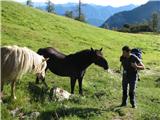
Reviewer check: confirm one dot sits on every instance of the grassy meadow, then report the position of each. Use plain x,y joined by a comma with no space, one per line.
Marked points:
26,26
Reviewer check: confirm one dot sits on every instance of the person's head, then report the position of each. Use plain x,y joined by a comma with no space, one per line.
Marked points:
126,51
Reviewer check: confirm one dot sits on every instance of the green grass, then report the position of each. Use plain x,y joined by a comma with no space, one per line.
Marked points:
25,26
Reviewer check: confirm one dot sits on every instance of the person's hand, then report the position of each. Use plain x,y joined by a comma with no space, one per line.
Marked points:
134,65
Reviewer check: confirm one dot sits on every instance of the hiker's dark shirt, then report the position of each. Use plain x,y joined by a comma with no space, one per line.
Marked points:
126,63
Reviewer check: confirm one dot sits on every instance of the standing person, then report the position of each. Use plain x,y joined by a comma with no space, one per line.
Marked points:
130,64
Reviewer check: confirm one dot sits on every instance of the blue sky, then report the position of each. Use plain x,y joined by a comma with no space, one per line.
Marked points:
115,3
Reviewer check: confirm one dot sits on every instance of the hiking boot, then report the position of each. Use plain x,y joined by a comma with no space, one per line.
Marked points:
134,106
123,105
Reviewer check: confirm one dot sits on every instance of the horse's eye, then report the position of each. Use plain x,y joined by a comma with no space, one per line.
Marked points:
98,57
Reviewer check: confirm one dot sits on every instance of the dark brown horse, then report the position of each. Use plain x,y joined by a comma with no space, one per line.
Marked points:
73,65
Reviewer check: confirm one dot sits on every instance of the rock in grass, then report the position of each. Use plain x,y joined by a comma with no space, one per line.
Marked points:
34,115
58,94
15,112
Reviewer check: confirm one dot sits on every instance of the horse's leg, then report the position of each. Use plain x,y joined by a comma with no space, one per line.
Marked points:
44,82
37,80
80,78
2,83
44,78
13,85
1,93
80,85
73,81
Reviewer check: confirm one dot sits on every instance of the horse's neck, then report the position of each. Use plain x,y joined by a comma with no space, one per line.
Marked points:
87,64
36,63
83,61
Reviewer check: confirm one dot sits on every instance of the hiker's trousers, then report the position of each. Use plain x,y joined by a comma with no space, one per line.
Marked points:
131,81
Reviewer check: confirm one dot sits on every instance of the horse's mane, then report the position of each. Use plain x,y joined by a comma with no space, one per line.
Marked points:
80,53
19,60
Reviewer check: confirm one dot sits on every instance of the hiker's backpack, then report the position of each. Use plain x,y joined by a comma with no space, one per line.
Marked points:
137,52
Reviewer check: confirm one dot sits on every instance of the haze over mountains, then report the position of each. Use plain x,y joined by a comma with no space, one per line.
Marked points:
95,14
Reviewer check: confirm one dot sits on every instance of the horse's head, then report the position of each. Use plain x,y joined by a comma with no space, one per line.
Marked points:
98,58
40,69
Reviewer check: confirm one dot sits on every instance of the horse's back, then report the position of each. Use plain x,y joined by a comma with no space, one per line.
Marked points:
51,53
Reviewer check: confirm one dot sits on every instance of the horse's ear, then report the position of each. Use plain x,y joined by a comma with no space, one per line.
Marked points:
92,49
101,49
45,59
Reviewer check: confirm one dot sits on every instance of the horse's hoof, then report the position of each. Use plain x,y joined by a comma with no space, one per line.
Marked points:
14,97
81,95
37,82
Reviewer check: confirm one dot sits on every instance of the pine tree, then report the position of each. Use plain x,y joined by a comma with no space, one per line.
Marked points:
50,6
81,16
69,14
154,22
29,3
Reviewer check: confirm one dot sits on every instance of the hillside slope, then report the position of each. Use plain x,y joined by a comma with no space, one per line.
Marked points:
25,26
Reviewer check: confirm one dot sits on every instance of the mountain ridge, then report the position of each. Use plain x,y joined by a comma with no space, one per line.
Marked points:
137,15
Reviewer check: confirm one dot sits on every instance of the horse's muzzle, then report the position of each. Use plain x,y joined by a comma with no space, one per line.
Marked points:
106,68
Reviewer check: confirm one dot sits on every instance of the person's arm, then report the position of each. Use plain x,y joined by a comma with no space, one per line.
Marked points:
139,66
120,67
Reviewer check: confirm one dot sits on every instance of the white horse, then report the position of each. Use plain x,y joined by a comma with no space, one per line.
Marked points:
16,61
